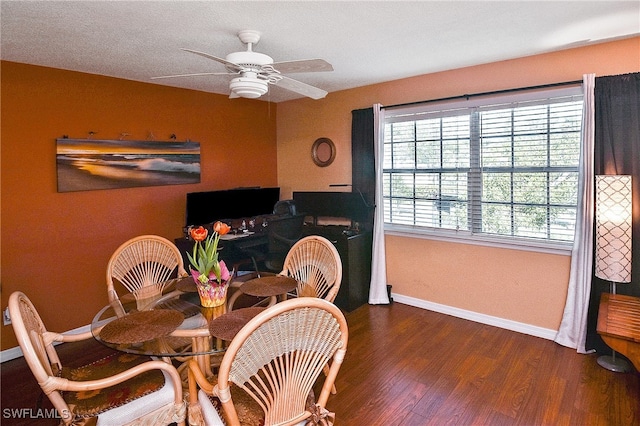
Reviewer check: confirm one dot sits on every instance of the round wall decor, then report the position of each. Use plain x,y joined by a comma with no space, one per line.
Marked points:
323,152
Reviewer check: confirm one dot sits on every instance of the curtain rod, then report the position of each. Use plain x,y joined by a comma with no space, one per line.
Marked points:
495,92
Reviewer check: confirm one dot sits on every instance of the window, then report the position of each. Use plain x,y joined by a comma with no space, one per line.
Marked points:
501,166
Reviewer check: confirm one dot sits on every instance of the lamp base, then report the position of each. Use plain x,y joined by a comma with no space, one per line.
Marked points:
612,363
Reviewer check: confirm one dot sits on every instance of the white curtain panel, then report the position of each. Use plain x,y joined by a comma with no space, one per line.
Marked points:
378,290
573,327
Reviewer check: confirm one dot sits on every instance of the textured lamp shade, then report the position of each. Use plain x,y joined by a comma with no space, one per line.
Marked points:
613,228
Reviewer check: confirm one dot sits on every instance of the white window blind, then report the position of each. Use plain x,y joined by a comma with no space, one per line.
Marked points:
499,166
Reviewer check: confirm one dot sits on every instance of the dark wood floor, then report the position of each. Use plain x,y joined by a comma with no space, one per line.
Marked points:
408,366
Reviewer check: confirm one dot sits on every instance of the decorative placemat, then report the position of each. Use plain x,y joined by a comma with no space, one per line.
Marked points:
141,326
186,285
269,286
226,326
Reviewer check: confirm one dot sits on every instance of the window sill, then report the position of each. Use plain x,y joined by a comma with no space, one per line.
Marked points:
463,237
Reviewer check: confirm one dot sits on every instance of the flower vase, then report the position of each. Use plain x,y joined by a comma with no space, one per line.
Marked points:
212,293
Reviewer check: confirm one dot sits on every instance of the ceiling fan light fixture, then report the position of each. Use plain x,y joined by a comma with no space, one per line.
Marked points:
248,87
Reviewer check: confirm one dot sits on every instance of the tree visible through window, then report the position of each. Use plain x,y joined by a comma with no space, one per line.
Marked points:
493,168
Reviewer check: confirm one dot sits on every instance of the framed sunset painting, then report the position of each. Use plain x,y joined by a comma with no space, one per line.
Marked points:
88,164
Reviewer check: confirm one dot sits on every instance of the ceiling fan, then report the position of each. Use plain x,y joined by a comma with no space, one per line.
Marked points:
255,71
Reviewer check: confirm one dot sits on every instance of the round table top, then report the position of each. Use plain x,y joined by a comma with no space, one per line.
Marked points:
269,286
226,326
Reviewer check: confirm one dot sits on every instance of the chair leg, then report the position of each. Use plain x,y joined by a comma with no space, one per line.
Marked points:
326,373
255,265
194,415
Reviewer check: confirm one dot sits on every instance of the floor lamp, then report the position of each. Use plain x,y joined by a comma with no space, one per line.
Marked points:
613,242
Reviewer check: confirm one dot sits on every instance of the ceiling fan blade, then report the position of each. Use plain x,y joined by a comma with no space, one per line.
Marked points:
229,65
192,75
303,65
301,88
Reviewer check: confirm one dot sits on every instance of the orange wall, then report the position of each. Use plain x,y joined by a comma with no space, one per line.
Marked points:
519,286
55,246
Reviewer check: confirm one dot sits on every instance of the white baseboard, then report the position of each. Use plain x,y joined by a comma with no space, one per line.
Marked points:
519,327
9,354
16,352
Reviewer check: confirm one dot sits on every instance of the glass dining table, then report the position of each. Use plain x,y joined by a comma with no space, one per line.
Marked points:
175,326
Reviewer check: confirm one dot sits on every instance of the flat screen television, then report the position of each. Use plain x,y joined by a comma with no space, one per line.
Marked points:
349,205
209,206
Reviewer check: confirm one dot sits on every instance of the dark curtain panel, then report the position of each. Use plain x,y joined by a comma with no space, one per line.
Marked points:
617,152
363,174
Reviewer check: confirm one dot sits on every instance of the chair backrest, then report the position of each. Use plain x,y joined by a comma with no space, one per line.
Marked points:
285,207
315,263
143,265
278,356
37,346
283,232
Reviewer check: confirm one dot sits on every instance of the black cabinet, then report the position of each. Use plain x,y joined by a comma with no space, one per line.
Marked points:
355,254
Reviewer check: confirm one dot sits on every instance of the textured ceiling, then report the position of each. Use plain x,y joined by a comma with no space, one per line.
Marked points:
366,42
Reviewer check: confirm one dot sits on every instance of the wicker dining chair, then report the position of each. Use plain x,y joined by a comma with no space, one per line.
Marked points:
268,372
315,263
143,265
119,389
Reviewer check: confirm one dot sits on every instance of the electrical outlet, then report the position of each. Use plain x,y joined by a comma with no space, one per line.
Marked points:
6,318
